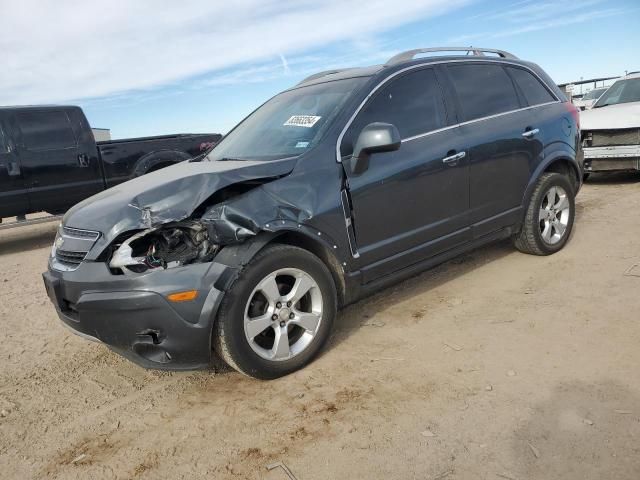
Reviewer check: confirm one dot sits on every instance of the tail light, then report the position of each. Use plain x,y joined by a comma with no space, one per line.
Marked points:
575,113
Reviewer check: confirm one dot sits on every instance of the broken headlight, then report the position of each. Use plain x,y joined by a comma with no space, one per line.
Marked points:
168,246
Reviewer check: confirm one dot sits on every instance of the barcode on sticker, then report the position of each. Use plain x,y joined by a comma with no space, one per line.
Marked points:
307,121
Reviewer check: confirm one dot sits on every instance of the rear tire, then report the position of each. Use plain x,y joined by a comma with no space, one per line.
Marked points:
278,313
549,217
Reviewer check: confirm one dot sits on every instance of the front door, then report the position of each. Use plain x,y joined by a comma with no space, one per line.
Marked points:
13,194
411,203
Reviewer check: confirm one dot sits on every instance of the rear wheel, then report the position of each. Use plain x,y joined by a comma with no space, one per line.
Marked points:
278,314
549,217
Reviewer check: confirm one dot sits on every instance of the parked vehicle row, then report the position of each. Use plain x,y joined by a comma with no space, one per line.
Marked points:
49,160
335,188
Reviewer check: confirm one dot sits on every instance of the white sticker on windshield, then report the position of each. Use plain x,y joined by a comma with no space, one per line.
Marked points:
306,121
302,144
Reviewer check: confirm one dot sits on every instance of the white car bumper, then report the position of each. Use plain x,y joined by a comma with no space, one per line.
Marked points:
620,157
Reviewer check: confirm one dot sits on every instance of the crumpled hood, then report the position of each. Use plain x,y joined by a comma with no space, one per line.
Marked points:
622,115
168,195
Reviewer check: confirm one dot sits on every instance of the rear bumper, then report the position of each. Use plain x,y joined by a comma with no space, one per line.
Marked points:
132,316
613,158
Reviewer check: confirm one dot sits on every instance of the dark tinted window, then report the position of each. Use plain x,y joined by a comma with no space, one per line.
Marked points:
4,143
533,90
483,90
46,130
413,103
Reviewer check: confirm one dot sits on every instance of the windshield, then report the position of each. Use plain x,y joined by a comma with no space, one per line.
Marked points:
623,91
594,94
288,124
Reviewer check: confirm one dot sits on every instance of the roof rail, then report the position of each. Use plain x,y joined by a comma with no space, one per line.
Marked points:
322,74
475,51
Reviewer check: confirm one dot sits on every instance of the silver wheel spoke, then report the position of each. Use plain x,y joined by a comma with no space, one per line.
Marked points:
303,284
551,197
563,203
546,233
269,288
543,215
280,350
308,321
255,326
559,228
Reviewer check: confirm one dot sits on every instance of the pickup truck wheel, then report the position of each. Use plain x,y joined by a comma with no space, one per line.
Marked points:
549,218
278,314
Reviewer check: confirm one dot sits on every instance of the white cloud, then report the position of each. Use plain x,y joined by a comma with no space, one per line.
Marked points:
74,49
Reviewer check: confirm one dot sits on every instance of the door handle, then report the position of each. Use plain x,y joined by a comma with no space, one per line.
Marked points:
530,133
83,160
451,160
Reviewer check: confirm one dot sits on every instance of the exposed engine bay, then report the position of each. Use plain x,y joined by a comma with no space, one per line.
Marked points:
167,246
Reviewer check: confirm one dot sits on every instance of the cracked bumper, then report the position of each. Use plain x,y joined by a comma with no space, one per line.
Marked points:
132,316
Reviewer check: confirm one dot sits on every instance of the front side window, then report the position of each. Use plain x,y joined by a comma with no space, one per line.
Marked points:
483,90
46,130
413,103
594,94
288,124
623,91
535,93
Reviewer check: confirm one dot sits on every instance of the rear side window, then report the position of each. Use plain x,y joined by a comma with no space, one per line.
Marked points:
413,103
483,90
533,90
49,130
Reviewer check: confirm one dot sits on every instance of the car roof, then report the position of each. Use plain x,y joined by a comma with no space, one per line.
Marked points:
409,58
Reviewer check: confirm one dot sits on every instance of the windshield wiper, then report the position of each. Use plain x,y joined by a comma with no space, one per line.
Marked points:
603,105
228,159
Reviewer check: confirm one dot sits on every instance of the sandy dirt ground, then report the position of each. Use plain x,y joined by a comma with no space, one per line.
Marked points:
497,365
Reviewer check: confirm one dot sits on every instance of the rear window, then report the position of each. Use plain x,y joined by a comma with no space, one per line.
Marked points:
483,90
50,130
533,90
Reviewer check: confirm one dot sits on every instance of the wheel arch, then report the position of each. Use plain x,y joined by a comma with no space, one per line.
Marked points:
158,159
559,161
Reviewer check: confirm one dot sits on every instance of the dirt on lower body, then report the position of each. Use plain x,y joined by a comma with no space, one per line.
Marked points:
497,365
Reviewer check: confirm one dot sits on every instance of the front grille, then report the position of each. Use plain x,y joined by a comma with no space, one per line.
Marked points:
71,247
72,259
75,232
609,138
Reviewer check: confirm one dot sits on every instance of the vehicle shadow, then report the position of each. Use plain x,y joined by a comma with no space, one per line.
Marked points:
611,178
27,238
359,314
583,431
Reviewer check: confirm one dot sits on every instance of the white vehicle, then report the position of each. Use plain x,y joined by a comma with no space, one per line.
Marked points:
611,129
589,98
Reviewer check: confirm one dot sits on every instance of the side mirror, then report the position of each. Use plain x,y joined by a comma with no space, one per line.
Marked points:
374,138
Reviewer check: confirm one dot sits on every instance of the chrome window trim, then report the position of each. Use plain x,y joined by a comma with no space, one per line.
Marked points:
426,65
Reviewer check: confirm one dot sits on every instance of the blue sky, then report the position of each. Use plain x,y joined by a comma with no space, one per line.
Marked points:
156,67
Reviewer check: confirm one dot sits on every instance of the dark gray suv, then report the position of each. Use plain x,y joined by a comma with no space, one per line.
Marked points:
347,182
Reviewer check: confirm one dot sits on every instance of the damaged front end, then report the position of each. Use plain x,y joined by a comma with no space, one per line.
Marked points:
167,246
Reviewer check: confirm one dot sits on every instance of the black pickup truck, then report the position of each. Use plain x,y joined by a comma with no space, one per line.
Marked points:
49,159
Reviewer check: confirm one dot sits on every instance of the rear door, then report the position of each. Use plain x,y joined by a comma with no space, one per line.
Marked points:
504,143
58,169
409,204
13,194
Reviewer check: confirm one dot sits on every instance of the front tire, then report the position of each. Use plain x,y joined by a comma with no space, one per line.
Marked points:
549,217
278,314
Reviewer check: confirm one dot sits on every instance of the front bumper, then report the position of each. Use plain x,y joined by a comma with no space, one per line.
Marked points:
132,315
612,158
